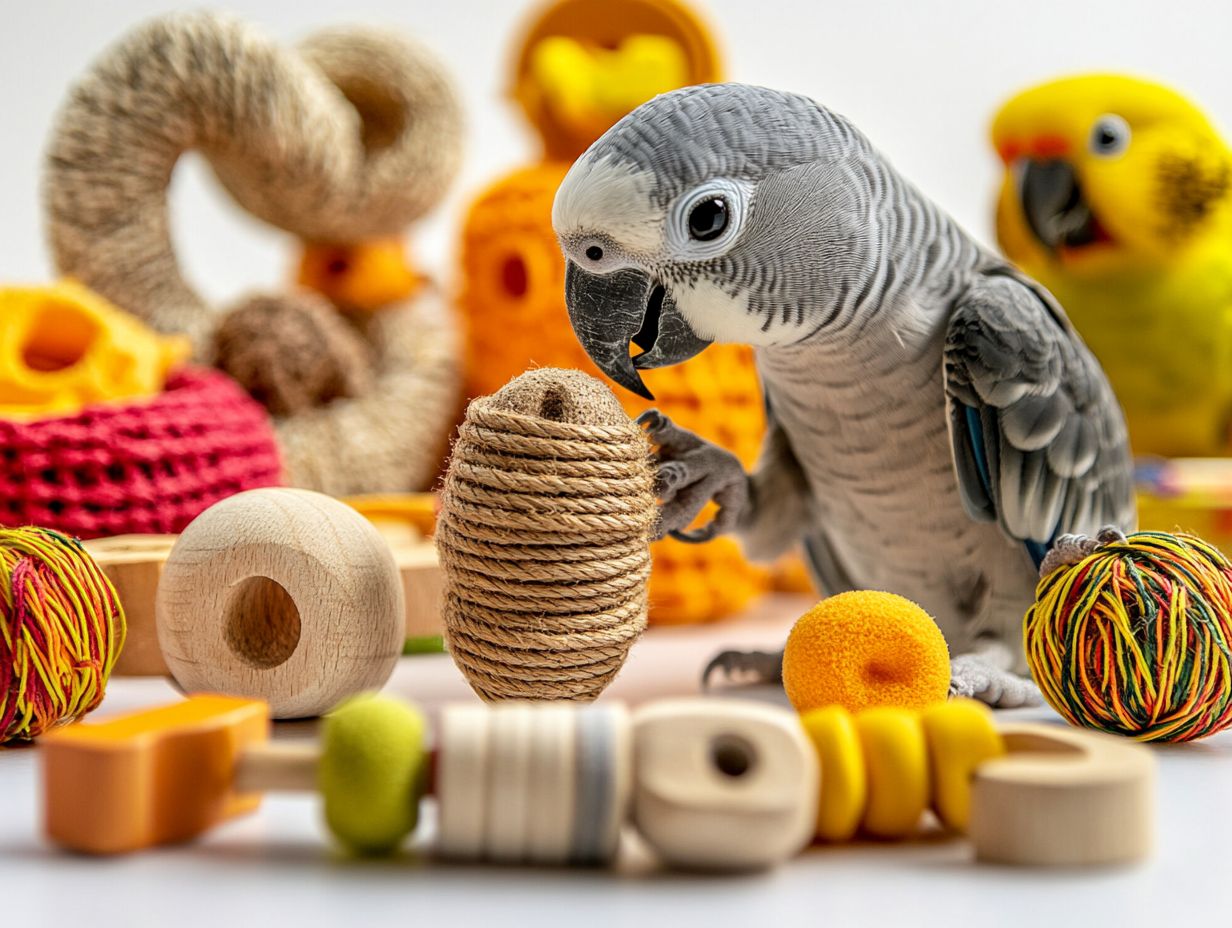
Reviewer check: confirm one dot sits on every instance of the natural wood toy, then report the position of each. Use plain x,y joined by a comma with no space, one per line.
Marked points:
513,274
544,537
285,595
1026,794
514,783
133,564
343,141
709,784
728,789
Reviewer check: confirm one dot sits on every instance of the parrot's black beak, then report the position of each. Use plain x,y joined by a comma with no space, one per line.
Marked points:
611,311
1055,209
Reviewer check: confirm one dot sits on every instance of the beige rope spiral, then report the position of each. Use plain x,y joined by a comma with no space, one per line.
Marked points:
349,136
544,537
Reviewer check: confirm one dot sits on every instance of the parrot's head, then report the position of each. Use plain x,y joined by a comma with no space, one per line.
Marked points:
1105,173
715,213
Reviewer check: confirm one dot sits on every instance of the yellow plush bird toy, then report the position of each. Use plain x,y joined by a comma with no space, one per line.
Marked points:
1118,197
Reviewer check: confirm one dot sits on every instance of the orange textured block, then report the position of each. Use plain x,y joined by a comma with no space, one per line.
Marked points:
156,777
512,301
364,277
864,649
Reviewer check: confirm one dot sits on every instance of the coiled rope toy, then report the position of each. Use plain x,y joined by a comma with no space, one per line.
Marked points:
61,629
1133,635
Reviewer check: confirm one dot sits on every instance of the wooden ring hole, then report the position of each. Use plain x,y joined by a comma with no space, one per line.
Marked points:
732,755
261,623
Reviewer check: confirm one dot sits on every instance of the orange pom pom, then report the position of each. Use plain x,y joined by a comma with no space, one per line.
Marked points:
864,649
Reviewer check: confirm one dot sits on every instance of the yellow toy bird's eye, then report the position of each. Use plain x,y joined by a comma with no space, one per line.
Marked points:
1109,136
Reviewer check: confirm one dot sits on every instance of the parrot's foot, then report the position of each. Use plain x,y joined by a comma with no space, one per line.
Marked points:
692,472
765,667
977,677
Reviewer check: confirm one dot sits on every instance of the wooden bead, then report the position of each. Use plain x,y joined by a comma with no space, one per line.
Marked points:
723,785
1063,797
546,783
133,564
285,595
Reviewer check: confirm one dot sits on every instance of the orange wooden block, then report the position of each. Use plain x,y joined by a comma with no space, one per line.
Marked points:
151,778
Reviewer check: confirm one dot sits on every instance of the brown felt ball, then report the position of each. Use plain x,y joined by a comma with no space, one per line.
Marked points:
293,351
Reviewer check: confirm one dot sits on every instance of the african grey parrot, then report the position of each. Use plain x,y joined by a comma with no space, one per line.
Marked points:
935,421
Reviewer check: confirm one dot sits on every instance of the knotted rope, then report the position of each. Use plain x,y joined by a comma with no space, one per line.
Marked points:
544,538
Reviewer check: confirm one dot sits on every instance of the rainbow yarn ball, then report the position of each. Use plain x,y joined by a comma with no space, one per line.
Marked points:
61,629
1135,638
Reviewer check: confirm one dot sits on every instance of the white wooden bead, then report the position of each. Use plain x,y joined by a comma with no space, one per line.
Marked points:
723,784
461,781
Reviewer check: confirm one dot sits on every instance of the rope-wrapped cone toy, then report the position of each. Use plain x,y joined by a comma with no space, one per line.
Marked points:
348,137
1133,635
544,537
61,629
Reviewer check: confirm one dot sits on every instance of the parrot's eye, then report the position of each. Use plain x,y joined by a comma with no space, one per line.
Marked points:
708,219
1110,135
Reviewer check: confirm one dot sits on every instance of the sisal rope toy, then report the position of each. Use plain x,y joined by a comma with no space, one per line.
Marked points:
347,138
1133,635
61,627
544,536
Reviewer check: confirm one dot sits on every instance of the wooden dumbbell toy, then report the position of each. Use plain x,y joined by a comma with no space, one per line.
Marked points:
284,595
167,775
1026,794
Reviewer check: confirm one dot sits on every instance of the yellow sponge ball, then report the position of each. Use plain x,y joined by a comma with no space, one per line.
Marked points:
863,649
372,772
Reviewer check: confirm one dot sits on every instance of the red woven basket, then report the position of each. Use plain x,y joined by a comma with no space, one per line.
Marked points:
143,467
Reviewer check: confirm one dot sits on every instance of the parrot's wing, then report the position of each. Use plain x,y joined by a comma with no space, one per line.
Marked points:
1039,442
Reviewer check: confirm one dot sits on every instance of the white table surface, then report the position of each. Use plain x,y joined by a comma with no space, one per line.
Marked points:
275,868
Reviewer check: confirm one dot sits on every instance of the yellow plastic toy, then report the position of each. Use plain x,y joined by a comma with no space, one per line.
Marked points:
864,649
63,347
584,64
1118,197
883,767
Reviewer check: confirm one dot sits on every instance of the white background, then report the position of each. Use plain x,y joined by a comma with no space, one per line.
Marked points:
921,78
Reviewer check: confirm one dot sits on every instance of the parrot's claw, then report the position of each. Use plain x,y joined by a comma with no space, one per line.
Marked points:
765,667
691,473
976,677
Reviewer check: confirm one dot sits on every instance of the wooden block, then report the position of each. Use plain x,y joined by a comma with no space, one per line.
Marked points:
285,595
155,777
133,564
406,521
1064,797
723,784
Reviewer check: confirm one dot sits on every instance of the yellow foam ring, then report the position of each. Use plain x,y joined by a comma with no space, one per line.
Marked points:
63,347
844,783
896,756
359,276
961,736
589,88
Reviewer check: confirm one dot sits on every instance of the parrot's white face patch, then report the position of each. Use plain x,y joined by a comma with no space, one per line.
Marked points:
715,315
602,196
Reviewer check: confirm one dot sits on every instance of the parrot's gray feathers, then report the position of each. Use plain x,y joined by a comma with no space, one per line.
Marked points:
1039,443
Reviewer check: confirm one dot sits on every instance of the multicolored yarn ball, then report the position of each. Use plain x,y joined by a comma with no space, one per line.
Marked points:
61,629
1133,636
